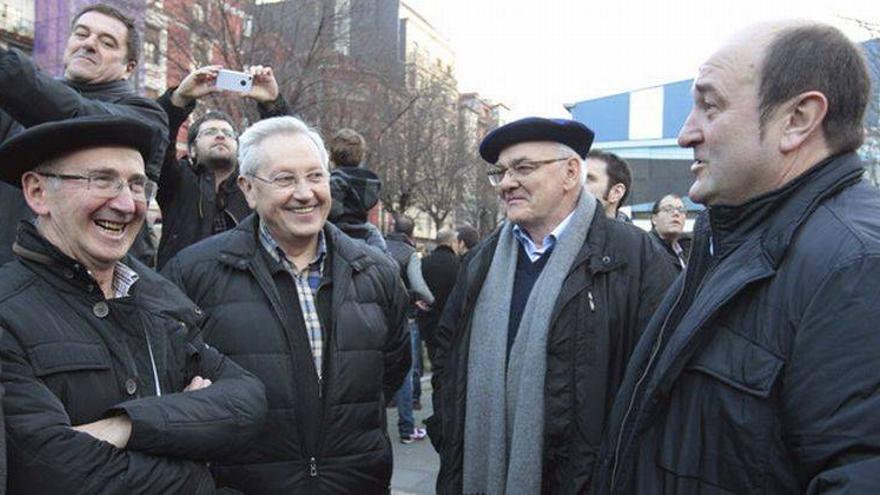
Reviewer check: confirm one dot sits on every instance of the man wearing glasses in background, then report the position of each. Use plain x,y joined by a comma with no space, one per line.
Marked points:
542,320
317,315
667,220
109,388
198,194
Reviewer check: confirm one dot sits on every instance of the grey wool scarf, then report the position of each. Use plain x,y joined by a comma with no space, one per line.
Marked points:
504,413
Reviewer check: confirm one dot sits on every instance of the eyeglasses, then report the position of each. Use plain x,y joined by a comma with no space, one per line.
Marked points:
290,181
214,131
674,209
518,169
108,186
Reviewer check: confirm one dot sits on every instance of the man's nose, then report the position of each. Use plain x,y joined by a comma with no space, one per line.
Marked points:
690,134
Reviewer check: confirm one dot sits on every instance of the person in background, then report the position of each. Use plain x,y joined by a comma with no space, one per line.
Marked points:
668,216
609,178
199,194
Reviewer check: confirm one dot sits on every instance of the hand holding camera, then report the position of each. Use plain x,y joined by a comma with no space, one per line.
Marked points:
257,83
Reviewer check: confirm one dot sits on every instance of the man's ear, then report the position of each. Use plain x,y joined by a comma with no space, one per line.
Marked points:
616,193
35,188
573,173
248,189
803,117
129,68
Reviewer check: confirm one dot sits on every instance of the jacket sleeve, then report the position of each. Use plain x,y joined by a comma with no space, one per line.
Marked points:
47,456
398,348
831,383
443,341
203,424
169,181
277,108
417,284
31,97
656,278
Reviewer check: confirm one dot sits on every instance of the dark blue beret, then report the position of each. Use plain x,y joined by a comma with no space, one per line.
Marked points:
43,142
568,132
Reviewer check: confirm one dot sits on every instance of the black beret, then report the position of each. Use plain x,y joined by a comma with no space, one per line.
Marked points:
568,132
43,142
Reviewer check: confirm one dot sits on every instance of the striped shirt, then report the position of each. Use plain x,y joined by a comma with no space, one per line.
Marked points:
306,282
123,278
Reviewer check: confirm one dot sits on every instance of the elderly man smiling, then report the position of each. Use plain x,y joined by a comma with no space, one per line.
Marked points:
109,388
317,315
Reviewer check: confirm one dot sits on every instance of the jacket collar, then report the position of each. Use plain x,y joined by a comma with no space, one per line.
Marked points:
777,215
243,247
106,91
756,258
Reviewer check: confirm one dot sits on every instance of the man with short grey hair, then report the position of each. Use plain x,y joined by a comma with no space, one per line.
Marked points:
538,329
317,315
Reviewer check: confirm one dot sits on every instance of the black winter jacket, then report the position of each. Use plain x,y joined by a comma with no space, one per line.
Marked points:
611,291
439,269
187,193
319,438
770,381
30,97
71,357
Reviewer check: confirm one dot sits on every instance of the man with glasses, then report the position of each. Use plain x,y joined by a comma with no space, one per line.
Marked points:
539,326
101,54
317,315
198,194
109,388
667,219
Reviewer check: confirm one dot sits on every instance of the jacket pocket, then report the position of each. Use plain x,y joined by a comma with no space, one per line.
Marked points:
62,357
720,427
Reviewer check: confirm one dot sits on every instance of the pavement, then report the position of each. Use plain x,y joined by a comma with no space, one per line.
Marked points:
416,464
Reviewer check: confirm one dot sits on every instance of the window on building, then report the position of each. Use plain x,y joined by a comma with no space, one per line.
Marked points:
152,44
342,24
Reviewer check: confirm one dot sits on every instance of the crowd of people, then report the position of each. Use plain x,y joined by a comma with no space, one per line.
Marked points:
253,348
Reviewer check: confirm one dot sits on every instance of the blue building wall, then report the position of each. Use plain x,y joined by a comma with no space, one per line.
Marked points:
677,102
608,117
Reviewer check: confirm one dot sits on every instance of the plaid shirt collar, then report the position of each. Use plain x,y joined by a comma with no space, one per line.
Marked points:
123,279
271,246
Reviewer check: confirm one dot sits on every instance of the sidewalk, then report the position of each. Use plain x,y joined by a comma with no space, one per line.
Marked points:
416,464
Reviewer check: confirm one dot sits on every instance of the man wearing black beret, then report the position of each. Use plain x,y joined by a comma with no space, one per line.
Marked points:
109,388
539,327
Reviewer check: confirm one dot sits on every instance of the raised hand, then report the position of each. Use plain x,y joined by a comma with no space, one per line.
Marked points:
195,85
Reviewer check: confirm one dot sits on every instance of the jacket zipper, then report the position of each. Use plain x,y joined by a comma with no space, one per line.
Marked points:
313,467
654,352
592,303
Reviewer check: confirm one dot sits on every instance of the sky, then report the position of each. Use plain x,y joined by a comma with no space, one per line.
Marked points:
536,55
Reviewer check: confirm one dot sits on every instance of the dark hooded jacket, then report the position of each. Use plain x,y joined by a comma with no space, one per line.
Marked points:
608,296
355,192
760,371
30,97
188,195
70,357
326,436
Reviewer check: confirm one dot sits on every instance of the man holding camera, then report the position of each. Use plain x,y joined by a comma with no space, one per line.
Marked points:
198,194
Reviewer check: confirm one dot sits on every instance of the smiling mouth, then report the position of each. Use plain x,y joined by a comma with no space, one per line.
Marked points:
303,209
114,227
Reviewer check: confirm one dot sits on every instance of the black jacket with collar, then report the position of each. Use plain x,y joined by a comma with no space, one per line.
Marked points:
188,195
320,437
611,291
71,357
770,380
